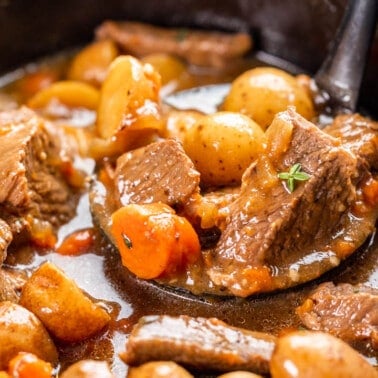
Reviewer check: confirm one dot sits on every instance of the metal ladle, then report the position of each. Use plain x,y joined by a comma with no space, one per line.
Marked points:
339,78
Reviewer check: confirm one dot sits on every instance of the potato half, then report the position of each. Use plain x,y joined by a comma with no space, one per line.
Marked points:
129,98
62,306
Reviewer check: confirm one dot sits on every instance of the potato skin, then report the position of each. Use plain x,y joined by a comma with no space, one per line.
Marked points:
67,313
317,355
240,374
158,369
222,145
169,67
129,98
22,331
88,369
92,62
262,92
68,92
178,122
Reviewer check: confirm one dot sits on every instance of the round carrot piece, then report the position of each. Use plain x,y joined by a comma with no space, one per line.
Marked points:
153,240
28,365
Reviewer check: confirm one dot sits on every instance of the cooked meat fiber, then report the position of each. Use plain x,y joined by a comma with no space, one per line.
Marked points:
346,311
11,283
32,187
357,133
159,172
5,239
270,232
7,289
197,47
199,343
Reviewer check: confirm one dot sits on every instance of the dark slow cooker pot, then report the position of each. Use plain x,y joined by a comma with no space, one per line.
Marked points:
297,31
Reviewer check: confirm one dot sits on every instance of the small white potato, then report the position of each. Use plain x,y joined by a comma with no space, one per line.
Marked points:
129,98
169,67
92,62
240,374
22,331
64,309
178,123
262,92
222,145
158,369
317,355
88,369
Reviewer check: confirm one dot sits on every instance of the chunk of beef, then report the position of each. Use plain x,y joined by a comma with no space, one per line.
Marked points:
200,343
197,47
5,239
11,283
346,311
274,238
33,190
7,290
357,133
159,172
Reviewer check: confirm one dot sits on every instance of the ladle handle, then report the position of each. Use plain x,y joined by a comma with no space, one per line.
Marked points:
341,73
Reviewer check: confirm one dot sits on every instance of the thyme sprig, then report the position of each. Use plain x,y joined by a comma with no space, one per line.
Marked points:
294,174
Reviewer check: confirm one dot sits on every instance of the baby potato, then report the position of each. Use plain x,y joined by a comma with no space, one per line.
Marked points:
178,122
67,313
71,93
317,355
222,145
240,374
158,369
169,67
22,331
91,63
129,98
262,92
88,369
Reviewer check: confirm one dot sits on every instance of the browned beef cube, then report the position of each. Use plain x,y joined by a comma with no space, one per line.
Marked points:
5,239
159,172
33,190
359,134
346,311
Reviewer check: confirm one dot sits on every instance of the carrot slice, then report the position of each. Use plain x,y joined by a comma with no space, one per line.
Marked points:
32,83
28,365
153,240
77,243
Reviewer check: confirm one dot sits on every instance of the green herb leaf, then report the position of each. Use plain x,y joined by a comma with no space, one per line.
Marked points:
127,241
294,174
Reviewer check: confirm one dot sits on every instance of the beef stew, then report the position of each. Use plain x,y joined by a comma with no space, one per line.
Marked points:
127,297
